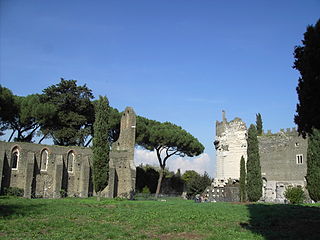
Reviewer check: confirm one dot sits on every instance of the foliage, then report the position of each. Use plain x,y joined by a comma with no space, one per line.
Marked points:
147,176
242,180
101,145
254,180
294,194
189,175
313,165
307,62
146,190
74,115
13,191
167,140
114,124
197,184
27,115
259,125
8,108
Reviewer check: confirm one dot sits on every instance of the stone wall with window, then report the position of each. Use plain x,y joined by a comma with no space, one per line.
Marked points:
283,158
55,171
44,170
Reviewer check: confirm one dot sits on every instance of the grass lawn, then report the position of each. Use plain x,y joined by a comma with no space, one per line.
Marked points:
74,218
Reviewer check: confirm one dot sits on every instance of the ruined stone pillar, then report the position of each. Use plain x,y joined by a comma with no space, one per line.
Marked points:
84,177
122,174
29,175
57,176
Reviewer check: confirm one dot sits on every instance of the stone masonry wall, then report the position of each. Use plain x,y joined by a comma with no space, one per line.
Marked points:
122,177
283,159
54,171
39,181
230,144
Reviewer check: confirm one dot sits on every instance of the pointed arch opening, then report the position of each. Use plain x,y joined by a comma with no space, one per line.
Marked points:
44,160
70,161
15,157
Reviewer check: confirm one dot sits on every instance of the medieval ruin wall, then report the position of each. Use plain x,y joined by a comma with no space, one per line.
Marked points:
53,171
283,158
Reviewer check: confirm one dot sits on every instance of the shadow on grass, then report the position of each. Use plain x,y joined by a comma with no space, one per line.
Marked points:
10,210
284,221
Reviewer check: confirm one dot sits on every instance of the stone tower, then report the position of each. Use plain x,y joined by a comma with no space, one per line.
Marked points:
122,170
230,144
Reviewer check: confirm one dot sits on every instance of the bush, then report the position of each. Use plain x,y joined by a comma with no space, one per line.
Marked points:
294,194
13,191
146,190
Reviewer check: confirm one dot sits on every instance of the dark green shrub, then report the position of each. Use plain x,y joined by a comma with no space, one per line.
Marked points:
146,190
294,194
13,191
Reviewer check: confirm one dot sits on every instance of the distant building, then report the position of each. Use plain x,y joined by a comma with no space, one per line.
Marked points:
283,158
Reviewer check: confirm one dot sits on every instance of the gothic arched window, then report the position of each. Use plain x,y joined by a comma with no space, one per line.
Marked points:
70,161
44,160
15,158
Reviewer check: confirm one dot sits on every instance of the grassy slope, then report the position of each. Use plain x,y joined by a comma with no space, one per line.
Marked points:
73,218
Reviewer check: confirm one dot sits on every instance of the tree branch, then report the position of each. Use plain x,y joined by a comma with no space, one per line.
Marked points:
159,157
168,155
88,142
13,131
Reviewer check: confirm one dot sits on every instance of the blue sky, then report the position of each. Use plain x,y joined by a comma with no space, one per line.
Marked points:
178,61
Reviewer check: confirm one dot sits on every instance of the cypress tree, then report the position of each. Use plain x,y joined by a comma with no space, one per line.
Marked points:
259,124
242,180
254,180
313,165
101,146
307,62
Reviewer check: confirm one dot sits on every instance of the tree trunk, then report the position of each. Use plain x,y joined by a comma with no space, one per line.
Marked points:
159,183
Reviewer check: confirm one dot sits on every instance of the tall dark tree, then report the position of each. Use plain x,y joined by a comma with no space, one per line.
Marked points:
242,180
254,179
307,62
313,165
167,140
259,124
74,117
101,146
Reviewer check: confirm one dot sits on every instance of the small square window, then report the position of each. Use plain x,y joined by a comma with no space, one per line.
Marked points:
299,159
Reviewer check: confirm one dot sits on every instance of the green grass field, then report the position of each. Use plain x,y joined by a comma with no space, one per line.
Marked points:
74,218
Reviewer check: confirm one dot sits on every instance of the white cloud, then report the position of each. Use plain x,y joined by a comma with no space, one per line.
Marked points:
145,157
200,163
